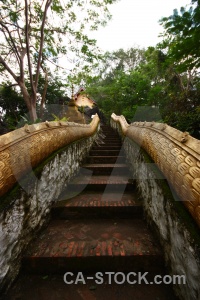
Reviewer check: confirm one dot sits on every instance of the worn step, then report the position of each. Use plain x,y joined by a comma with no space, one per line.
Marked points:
107,147
93,204
101,182
111,134
111,142
105,159
106,152
94,245
106,169
109,130
112,138
53,287
104,129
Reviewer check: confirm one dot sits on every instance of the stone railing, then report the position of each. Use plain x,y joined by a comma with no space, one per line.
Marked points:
177,155
54,151
23,149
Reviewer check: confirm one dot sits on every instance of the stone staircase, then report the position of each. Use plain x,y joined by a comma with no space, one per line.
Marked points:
97,226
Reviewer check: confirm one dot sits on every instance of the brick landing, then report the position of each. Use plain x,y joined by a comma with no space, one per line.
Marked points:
93,245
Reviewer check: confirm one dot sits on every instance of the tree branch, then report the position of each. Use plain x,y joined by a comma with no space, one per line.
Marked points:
10,85
2,61
10,45
48,3
28,47
11,38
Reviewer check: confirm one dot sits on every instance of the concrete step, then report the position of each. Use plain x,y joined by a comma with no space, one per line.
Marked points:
53,287
111,183
106,169
105,159
112,142
93,204
106,141
111,134
111,138
106,152
94,245
108,128
107,147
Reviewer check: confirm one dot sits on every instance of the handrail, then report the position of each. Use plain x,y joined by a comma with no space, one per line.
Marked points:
24,148
176,153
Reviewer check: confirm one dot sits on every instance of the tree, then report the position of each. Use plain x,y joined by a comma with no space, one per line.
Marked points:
181,36
12,107
120,86
34,32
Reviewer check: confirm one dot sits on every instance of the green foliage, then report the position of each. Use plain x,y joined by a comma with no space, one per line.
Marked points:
43,32
56,118
12,106
148,89
181,36
25,120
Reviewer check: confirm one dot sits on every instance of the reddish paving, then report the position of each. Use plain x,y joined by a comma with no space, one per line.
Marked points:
94,237
90,198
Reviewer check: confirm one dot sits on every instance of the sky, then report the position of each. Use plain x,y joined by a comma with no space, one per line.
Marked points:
135,23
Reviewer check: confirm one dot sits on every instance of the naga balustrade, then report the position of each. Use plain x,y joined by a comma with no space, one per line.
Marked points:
24,148
176,153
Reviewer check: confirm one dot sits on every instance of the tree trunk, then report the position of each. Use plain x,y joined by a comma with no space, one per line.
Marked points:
30,102
44,96
32,112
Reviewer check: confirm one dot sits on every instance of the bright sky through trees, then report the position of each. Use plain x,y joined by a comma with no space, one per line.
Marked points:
135,22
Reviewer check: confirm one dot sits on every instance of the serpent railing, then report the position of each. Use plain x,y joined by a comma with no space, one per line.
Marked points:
177,155
24,148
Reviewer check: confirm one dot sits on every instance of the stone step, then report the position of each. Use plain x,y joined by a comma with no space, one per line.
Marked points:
101,182
53,287
106,152
108,128
107,147
111,134
94,245
93,204
111,138
106,169
105,159
113,142
110,145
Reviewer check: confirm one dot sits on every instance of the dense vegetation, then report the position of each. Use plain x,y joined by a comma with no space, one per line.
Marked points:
159,83
148,88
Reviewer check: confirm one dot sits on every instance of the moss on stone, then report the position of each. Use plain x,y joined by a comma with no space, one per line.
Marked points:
183,214
8,199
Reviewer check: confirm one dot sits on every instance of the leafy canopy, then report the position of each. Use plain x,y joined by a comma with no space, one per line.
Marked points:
181,36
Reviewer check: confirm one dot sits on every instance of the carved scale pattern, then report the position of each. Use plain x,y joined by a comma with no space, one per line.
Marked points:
176,153
24,148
